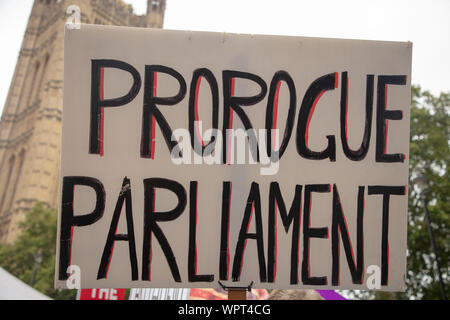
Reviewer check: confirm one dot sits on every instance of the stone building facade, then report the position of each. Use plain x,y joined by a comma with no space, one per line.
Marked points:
30,126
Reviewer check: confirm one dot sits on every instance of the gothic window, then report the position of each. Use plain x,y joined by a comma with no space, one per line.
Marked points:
31,85
42,76
5,185
15,182
155,5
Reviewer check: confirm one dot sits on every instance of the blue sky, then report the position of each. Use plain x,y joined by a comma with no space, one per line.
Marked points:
426,23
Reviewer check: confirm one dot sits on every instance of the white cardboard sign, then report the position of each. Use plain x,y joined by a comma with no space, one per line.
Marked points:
190,158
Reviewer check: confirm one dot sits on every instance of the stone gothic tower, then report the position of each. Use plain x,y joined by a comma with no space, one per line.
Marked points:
30,126
155,13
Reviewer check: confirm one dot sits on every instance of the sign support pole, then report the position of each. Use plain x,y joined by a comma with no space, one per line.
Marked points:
237,293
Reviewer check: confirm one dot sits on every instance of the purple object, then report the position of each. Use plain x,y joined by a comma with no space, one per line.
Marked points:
330,295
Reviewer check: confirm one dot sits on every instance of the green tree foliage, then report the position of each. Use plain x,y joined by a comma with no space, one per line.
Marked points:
430,157
38,234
